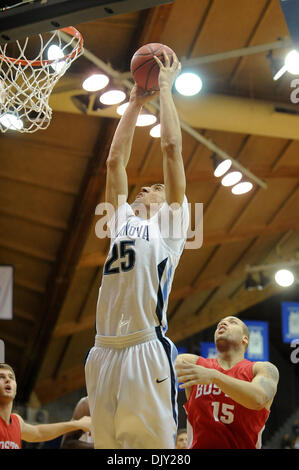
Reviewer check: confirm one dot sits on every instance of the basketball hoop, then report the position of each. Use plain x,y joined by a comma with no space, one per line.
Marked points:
26,84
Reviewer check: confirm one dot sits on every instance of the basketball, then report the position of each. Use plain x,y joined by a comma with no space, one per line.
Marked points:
145,69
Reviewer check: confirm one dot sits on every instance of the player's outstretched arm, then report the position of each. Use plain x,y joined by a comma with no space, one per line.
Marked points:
120,150
171,135
47,432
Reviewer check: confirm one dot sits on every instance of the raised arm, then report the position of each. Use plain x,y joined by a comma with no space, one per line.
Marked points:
255,395
120,150
171,135
47,432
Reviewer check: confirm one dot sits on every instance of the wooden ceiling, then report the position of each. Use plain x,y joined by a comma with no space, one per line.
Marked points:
52,180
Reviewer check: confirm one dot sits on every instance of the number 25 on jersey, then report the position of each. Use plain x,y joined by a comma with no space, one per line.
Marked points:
122,257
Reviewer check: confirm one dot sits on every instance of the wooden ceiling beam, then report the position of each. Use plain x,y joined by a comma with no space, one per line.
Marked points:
38,146
92,260
67,260
240,234
51,389
64,189
13,340
73,327
19,313
43,221
31,252
153,25
179,330
32,286
251,39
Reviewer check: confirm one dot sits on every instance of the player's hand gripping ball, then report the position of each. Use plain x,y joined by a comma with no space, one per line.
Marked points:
144,67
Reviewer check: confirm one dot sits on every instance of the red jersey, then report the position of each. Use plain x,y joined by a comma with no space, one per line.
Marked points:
215,421
10,434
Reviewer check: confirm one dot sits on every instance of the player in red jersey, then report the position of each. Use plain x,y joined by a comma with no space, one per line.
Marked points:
13,428
228,397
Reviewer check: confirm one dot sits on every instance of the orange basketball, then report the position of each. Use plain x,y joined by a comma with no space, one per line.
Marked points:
145,69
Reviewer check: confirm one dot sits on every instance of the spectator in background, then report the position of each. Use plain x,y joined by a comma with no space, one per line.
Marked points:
181,439
78,439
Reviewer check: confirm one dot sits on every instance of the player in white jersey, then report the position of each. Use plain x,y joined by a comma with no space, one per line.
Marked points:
130,376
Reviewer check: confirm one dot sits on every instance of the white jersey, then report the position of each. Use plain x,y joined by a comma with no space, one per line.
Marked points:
139,269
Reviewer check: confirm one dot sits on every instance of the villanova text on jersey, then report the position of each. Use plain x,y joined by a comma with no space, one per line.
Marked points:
134,231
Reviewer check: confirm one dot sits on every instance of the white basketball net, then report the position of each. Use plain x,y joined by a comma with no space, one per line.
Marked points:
26,84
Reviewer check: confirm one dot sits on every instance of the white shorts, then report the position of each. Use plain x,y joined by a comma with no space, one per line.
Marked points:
132,391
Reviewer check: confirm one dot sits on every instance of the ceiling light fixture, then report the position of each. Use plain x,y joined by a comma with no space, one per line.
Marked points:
121,108
291,65
112,97
95,82
284,277
156,131
11,121
55,53
242,188
81,102
231,178
145,119
188,84
250,283
292,62
263,282
220,166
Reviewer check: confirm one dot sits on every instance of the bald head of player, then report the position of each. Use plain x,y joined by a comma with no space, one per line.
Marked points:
231,335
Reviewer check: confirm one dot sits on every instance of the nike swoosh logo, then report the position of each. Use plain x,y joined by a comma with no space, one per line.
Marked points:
160,381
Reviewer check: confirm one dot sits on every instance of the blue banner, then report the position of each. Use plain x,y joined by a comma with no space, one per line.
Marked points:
290,321
290,9
208,349
258,347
